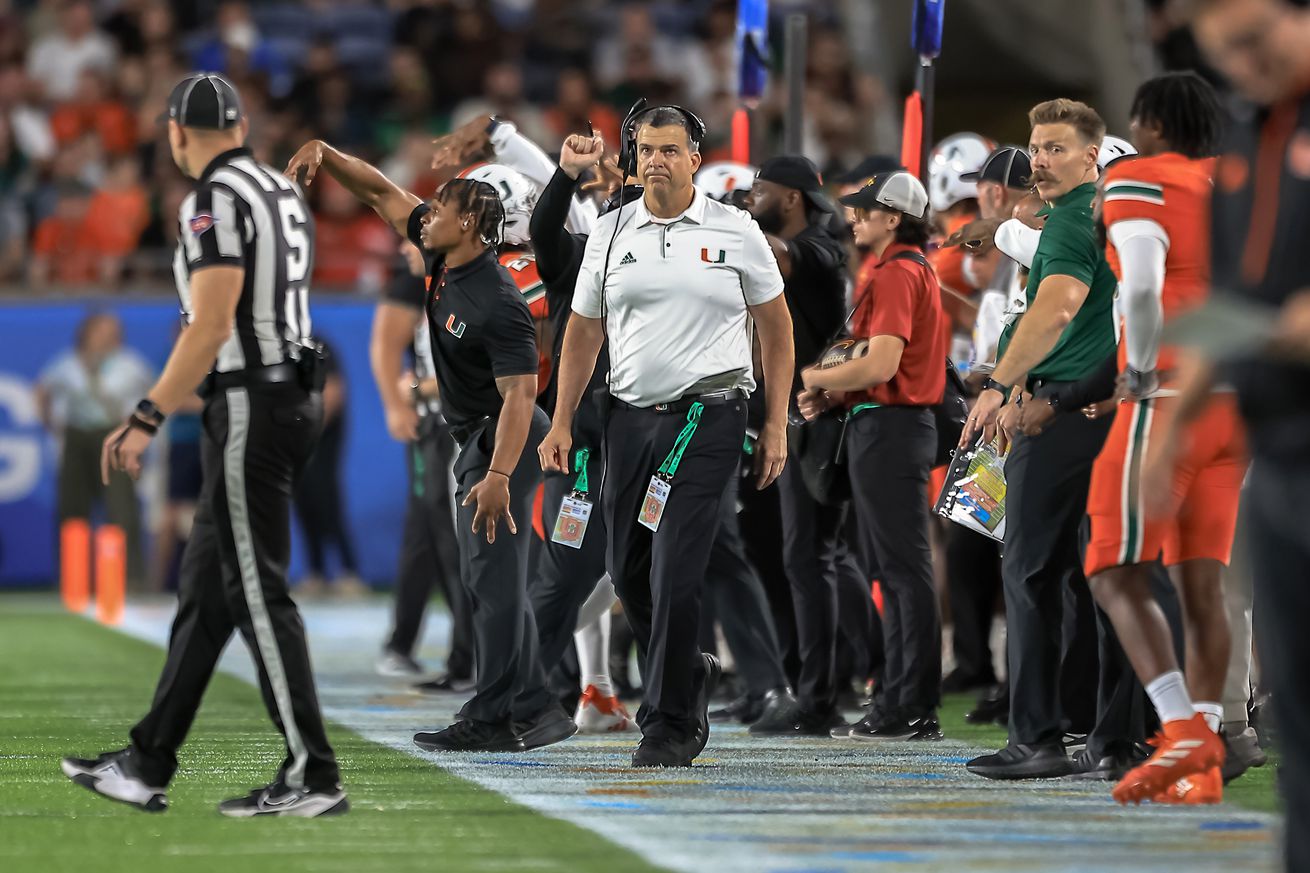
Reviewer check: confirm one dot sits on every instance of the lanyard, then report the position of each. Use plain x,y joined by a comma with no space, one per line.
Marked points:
669,468
580,464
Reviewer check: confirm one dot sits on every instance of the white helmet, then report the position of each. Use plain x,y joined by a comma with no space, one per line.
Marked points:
954,156
518,196
1112,149
726,181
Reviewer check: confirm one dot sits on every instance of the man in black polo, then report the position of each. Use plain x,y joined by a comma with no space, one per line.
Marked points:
485,353
787,202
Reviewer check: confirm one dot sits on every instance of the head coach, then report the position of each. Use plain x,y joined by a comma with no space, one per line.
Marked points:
675,282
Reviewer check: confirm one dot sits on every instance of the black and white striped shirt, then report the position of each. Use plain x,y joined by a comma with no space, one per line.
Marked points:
245,214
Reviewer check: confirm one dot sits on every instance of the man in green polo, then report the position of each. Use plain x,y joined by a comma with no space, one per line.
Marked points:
1065,334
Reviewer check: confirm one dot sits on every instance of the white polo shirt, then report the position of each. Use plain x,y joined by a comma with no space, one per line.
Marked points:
675,297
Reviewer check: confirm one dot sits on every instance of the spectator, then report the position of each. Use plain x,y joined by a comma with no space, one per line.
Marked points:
81,396
116,218
668,59
502,96
62,252
13,212
575,106
352,247
94,109
29,125
56,62
237,50
468,49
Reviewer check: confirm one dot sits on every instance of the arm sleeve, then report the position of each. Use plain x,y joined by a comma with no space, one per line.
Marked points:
213,227
553,245
587,292
1018,240
517,152
1068,247
761,280
1142,246
511,340
414,227
893,305
1096,386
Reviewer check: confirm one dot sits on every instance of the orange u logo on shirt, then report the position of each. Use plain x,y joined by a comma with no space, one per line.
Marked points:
458,332
705,256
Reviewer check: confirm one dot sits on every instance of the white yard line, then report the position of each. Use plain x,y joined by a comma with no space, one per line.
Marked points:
784,806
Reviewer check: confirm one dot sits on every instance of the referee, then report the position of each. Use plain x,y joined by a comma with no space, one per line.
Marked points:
675,281
485,352
244,257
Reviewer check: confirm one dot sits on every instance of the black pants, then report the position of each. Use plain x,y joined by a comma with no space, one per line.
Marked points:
1279,532
740,604
1047,479
511,682
859,637
812,553
79,489
889,454
255,443
659,575
973,578
319,507
429,552
566,576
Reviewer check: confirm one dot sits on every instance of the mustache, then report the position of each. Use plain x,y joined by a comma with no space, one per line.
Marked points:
1040,176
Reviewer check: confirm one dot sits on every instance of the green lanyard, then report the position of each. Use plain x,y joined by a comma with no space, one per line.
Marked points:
669,468
419,472
580,464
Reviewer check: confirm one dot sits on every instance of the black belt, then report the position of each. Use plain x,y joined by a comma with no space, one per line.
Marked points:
682,404
275,374
463,432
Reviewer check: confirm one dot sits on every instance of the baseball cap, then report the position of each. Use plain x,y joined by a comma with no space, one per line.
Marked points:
868,168
898,191
796,171
204,100
1007,165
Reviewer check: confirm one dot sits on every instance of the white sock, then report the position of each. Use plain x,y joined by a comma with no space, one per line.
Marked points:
601,599
1214,714
1168,693
593,642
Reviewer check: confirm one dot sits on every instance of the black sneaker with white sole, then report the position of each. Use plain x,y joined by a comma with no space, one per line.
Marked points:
471,736
281,799
114,775
899,729
549,726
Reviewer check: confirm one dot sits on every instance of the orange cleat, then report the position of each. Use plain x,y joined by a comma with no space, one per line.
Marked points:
598,713
1199,788
1184,748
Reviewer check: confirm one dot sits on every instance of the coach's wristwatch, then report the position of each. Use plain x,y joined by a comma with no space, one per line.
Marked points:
992,385
147,411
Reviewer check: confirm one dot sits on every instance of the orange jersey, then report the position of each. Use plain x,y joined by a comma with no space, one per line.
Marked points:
1173,192
948,263
522,267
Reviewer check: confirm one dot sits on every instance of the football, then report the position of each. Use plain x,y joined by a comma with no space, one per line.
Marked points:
842,351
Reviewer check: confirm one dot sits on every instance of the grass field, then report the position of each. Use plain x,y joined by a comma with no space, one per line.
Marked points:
72,687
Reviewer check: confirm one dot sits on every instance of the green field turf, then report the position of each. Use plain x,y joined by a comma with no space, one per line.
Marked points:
70,686
1255,790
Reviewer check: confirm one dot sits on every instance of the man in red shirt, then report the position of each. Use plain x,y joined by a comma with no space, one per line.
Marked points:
890,442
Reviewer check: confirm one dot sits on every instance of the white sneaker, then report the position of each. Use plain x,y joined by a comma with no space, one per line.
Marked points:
395,665
599,713
279,800
112,775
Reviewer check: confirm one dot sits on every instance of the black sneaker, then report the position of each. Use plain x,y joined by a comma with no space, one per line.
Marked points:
551,725
1074,743
662,752
1106,768
808,723
1021,761
1243,752
447,683
114,775
280,799
713,672
746,709
471,736
896,728
991,708
781,713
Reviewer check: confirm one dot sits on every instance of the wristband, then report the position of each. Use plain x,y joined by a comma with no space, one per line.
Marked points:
992,385
1141,383
136,422
498,473
147,411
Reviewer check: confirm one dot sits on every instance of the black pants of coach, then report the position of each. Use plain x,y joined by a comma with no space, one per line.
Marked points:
254,444
1050,617
889,454
429,553
1279,532
511,682
659,576
566,576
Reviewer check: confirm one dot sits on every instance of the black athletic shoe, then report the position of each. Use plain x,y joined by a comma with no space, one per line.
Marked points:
745,709
114,775
991,708
781,712
1244,752
471,736
1106,768
898,729
280,799
551,725
447,683
663,752
808,724
1023,762
713,672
